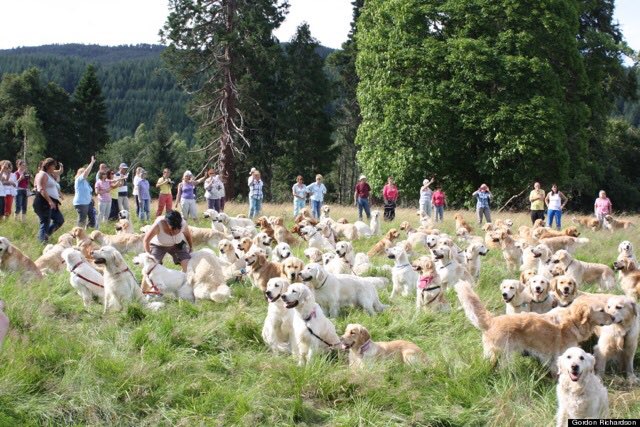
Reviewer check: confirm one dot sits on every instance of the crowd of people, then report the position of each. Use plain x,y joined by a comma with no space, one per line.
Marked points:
111,190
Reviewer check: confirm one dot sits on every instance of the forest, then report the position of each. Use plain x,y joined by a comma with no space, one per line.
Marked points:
466,91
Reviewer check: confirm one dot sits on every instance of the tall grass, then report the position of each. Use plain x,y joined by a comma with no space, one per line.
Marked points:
205,364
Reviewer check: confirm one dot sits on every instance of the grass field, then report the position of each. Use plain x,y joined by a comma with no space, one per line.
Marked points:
205,364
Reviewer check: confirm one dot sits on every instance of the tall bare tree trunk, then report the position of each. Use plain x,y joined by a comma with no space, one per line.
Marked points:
229,107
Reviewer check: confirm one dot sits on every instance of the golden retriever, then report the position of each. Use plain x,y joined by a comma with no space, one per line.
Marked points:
51,259
261,269
461,223
205,276
514,296
515,333
430,292
511,252
580,392
630,281
291,268
569,231
567,243
361,348
265,226
122,242
385,243
619,340
588,222
83,242
584,272
618,224
120,285
13,260
205,236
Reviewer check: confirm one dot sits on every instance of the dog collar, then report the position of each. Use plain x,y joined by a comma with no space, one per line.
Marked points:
323,282
400,267
311,315
524,304
446,265
73,271
540,302
365,346
276,298
564,305
151,269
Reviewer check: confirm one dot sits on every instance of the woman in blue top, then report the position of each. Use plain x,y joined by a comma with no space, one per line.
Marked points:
82,197
316,191
482,206
255,194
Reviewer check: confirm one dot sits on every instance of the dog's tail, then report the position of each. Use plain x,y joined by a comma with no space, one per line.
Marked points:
378,282
221,294
473,307
582,240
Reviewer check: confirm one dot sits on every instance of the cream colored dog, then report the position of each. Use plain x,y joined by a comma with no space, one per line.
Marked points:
430,293
51,259
570,244
357,340
312,331
580,392
122,242
448,267
205,236
473,254
85,279
511,252
514,296
13,260
585,272
163,280
120,285
204,274
277,331
403,276
313,254
619,340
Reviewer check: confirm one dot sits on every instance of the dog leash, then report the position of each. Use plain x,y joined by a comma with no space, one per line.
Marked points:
311,316
73,271
155,291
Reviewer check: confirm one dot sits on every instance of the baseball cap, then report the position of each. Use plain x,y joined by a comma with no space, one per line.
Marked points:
123,166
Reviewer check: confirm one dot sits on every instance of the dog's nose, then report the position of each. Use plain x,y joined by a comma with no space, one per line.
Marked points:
566,289
268,293
538,289
575,368
504,294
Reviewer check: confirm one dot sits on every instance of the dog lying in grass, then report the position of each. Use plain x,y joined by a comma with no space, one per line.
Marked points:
361,348
12,260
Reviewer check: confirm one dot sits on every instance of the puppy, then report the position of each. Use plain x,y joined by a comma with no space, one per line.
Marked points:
514,296
619,340
204,275
120,285
461,223
357,340
312,331
281,252
385,243
4,324
313,255
277,331
474,251
630,281
570,244
261,269
514,333
291,268
122,242
13,260
403,276
334,291
584,272
580,392
540,300
429,293
85,279
164,281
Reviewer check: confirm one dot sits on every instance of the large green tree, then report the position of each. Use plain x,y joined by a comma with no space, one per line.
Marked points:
212,45
476,91
304,141
90,115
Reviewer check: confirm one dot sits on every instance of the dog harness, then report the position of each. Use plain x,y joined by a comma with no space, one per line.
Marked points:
307,319
73,271
423,284
155,290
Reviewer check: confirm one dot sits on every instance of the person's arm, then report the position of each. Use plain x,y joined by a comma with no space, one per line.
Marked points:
200,181
58,172
179,192
160,182
563,199
324,189
87,171
115,183
41,183
546,199
431,181
355,197
475,193
146,241
187,235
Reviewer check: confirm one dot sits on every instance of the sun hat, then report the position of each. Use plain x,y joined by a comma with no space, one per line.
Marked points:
252,171
362,177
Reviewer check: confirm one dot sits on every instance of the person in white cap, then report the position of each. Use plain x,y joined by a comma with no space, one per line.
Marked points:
187,195
361,197
253,170
123,190
425,197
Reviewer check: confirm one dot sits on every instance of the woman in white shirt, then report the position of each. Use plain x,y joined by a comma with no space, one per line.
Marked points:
214,190
136,181
169,234
299,191
555,202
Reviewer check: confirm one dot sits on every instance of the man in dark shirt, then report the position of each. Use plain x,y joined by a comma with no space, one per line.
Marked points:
361,197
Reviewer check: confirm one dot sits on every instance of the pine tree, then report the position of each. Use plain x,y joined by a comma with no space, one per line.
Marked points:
210,48
90,115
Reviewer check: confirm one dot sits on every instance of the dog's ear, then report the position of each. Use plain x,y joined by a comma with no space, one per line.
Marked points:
522,277
574,287
554,284
364,334
634,308
590,362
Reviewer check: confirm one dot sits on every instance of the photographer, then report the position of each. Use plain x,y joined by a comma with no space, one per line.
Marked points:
169,234
165,199
214,190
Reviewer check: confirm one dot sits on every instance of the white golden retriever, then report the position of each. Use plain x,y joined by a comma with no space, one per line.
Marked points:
163,280
580,392
277,331
334,291
83,277
204,274
316,239
312,331
403,276
281,252
120,285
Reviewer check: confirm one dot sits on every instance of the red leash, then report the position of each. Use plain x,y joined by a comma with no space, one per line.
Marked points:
155,291
73,270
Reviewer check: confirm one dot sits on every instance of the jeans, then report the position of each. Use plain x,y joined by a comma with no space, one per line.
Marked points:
1,206
483,211
425,208
21,201
189,208
255,206
315,208
137,199
221,204
50,221
557,214
144,209
165,202
298,205
83,213
363,204
214,204
123,202
104,208
535,215
439,213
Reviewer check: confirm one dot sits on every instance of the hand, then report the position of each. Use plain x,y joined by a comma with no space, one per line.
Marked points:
52,205
355,203
93,159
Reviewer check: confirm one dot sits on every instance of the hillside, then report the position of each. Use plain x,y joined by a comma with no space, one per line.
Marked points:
134,80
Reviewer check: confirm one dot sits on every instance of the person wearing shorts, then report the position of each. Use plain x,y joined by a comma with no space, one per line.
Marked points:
169,234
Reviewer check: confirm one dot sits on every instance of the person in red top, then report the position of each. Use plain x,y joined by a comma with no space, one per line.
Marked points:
361,197
390,197
439,201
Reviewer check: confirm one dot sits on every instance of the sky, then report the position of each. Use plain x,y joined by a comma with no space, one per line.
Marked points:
114,22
